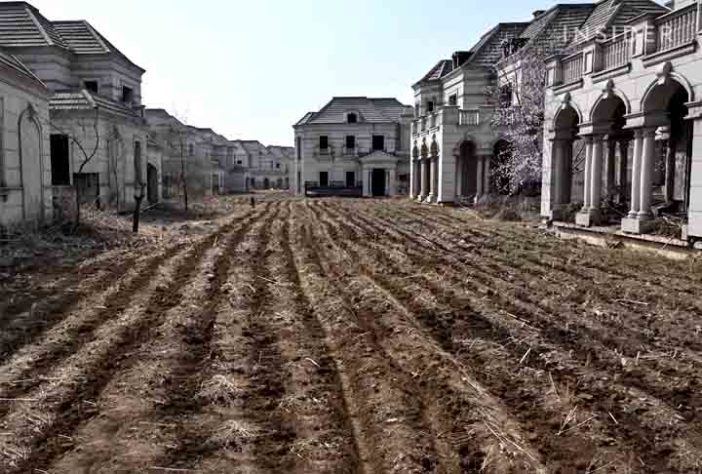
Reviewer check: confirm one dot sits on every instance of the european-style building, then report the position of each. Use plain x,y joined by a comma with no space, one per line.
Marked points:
625,113
96,126
354,143
25,166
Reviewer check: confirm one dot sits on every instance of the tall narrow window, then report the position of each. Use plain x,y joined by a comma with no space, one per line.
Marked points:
298,146
323,142
350,142
430,106
127,95
60,168
378,143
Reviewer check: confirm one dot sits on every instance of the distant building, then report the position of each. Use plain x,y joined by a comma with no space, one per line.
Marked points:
25,165
266,167
354,143
95,103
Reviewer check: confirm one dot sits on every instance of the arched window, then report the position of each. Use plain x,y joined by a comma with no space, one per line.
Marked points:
352,118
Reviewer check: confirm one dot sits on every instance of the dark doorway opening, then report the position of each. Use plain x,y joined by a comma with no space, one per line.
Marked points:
378,182
350,179
323,179
152,183
60,168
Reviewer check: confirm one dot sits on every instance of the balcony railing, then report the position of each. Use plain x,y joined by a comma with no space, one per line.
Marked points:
616,52
469,118
676,28
573,68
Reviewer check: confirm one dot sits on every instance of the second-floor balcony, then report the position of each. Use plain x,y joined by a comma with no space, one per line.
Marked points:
648,38
444,116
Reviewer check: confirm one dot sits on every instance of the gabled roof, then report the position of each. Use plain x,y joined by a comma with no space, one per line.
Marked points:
439,70
84,100
609,14
554,29
489,49
370,110
21,25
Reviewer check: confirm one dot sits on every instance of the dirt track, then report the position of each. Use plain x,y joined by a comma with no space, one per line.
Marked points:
357,336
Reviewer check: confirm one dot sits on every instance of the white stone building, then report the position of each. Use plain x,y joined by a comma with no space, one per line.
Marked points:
354,143
25,165
624,111
95,104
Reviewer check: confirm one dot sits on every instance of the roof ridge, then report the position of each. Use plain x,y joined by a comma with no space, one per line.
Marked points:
31,12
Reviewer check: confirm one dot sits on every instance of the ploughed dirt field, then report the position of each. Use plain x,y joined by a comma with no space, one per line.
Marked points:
342,336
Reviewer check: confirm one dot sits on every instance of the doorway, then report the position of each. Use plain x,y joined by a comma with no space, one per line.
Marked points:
323,179
378,182
152,183
350,179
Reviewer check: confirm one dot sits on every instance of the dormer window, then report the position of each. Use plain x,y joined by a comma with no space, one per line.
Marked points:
127,95
506,95
91,86
352,118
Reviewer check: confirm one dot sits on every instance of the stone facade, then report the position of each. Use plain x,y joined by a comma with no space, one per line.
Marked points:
624,113
25,166
98,136
354,142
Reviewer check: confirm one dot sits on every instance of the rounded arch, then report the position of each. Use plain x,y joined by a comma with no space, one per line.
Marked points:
31,164
566,121
606,100
659,92
466,138
425,150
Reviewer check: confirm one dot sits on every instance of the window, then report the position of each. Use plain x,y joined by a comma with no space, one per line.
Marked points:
352,118
3,182
127,95
91,86
60,168
350,179
350,142
378,143
430,106
277,165
298,148
323,179
506,95
453,99
323,142
191,150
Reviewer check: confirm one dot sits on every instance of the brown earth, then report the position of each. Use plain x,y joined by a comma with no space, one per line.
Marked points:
344,336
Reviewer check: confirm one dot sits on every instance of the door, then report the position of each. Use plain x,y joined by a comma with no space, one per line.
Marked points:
152,183
378,182
323,179
350,179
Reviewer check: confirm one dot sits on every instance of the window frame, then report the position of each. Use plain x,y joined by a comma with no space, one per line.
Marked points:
382,141
324,142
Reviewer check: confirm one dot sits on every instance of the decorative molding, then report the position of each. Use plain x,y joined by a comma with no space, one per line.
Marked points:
571,86
661,56
610,73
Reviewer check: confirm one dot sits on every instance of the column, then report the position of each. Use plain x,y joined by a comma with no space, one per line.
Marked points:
669,171
413,179
480,185
424,171
433,188
610,150
623,169
459,175
587,173
649,149
596,175
392,182
367,177
486,173
636,174
558,177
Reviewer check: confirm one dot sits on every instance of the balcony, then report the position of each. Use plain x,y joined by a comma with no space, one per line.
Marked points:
649,39
449,115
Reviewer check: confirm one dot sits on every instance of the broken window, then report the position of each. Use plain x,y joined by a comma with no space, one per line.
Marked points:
378,143
127,95
91,86
350,142
323,142
60,161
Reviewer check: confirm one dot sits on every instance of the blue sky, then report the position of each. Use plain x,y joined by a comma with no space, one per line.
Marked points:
250,69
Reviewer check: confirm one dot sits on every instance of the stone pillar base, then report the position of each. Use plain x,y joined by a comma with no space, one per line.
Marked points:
420,198
430,199
636,225
588,217
558,212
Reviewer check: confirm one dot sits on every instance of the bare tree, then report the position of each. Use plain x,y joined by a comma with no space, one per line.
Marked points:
519,99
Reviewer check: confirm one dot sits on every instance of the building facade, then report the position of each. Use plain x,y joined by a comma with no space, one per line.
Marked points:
25,165
354,143
98,135
624,113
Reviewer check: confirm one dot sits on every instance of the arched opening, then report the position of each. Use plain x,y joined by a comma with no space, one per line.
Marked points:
666,109
500,172
567,165
152,183
266,183
606,192
32,169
